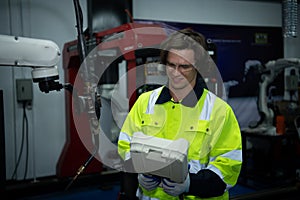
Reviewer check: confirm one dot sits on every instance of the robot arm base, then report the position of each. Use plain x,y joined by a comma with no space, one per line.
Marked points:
48,84
46,78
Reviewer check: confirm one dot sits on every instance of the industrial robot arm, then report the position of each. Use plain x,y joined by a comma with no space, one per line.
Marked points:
269,72
41,55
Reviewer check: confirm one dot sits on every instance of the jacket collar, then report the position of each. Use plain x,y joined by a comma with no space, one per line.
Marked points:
190,100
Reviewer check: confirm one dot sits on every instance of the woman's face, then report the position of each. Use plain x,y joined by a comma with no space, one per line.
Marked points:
180,70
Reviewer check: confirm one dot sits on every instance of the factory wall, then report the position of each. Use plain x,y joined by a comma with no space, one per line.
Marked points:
55,20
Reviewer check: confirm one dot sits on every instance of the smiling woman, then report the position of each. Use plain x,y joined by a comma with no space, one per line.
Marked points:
182,75
186,109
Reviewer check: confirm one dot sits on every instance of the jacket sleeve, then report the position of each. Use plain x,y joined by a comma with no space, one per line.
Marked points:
131,125
225,156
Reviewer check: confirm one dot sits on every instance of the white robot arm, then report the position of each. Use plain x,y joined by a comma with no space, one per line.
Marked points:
269,72
273,68
41,55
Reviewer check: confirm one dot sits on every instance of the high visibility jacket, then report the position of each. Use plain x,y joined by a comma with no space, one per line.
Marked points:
209,124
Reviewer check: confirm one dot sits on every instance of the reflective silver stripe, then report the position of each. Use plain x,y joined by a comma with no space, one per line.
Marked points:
124,137
148,198
234,155
127,156
208,106
152,99
195,166
228,186
218,172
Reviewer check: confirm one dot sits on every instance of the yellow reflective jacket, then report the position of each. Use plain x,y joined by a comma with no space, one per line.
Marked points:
210,126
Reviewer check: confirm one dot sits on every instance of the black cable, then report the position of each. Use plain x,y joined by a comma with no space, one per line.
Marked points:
92,155
27,138
82,55
81,169
20,154
81,38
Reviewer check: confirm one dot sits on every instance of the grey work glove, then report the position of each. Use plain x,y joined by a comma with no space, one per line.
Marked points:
175,189
149,182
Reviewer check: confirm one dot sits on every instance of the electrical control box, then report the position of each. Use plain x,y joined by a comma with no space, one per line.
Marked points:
24,89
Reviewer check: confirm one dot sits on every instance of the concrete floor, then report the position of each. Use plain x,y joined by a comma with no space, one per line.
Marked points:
108,187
